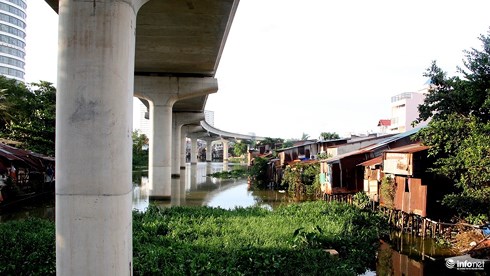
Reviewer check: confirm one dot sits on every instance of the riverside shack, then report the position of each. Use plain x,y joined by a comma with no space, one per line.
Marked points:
406,166
373,173
343,173
26,170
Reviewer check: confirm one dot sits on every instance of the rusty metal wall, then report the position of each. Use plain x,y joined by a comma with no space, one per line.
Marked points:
411,200
399,192
418,199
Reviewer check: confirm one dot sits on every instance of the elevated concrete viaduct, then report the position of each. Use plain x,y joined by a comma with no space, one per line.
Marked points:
165,51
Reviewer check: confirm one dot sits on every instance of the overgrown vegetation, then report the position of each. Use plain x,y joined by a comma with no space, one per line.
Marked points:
27,247
387,191
212,241
361,200
459,132
302,180
234,173
254,241
258,172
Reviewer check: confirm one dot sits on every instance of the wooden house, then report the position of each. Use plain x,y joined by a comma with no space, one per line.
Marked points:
343,175
407,167
301,150
373,174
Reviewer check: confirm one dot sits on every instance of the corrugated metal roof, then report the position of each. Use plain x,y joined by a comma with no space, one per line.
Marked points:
297,146
372,147
29,158
416,147
351,153
374,161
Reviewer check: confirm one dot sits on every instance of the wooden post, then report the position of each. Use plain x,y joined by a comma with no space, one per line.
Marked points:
403,221
433,228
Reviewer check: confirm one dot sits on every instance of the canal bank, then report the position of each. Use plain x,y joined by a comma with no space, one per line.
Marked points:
400,253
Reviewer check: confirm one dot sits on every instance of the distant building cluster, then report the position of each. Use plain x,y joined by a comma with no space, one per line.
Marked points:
12,38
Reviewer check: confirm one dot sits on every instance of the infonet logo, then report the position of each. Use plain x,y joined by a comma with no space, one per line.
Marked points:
468,264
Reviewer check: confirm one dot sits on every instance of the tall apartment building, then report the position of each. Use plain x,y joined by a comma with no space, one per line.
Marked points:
209,117
140,117
404,110
12,38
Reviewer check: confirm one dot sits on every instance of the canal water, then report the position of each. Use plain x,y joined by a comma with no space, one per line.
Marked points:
196,188
403,255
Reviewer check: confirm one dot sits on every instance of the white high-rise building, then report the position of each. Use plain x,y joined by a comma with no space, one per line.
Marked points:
209,117
404,110
140,117
12,38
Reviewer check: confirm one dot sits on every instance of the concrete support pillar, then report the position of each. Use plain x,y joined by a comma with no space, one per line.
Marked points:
225,150
194,151
160,148
249,156
189,131
209,150
176,148
93,137
162,93
183,148
181,119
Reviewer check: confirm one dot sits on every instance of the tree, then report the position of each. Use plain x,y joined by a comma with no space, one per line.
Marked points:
240,148
12,100
4,107
329,136
140,149
30,114
272,142
464,95
458,134
305,136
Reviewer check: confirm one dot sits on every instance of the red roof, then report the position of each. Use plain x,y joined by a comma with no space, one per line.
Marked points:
383,122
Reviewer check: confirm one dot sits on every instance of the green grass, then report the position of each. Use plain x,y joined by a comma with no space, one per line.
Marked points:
254,241
212,241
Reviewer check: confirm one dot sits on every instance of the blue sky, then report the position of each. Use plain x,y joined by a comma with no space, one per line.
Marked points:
312,66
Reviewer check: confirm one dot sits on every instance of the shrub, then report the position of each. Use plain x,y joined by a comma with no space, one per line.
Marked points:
28,247
387,191
302,180
211,241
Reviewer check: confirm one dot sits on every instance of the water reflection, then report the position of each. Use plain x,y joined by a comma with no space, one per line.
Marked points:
196,188
407,254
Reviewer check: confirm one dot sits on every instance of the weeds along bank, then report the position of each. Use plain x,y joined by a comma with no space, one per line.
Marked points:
291,240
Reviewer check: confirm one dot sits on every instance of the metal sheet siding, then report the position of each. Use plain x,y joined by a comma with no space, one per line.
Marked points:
418,199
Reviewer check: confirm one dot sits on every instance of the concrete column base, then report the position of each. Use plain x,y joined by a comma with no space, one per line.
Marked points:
159,198
109,218
159,181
